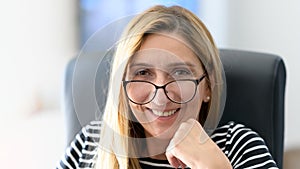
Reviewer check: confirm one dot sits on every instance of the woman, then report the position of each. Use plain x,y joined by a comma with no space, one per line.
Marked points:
164,101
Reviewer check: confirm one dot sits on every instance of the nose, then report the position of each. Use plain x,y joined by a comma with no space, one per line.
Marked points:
160,97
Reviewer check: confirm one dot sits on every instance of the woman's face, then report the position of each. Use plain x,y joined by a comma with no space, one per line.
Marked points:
162,59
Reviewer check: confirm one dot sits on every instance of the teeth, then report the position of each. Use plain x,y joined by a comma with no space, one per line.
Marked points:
165,114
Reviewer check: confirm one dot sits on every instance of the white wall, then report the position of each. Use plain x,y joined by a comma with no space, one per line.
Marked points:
270,26
36,40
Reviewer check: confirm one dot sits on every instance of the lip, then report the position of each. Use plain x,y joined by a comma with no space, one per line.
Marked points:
163,118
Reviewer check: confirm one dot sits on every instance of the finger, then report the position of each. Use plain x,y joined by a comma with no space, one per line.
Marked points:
171,152
173,160
184,129
203,137
181,133
182,164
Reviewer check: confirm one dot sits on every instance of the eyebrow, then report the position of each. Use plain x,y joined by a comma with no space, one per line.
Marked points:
140,64
188,64
182,64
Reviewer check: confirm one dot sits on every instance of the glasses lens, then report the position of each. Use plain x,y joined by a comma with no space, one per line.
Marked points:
140,92
181,91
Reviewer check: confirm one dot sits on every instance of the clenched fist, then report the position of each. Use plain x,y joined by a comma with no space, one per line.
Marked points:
192,147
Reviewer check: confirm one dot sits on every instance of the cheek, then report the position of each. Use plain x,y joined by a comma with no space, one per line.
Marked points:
139,114
136,111
191,109
196,104
203,91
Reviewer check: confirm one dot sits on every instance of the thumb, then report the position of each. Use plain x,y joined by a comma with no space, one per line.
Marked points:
175,162
172,159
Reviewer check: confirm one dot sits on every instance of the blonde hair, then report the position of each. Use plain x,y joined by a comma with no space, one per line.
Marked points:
117,127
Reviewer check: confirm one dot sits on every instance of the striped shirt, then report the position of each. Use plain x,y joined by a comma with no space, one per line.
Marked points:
242,146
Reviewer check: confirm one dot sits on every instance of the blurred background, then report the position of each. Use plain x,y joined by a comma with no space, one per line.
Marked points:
38,38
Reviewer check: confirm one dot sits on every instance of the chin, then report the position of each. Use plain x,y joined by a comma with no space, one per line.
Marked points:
159,132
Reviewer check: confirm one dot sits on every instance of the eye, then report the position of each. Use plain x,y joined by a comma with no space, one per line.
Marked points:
142,72
182,72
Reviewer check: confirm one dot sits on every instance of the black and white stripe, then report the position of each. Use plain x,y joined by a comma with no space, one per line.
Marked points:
243,147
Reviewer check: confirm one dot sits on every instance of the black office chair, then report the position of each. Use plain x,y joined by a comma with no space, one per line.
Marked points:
255,94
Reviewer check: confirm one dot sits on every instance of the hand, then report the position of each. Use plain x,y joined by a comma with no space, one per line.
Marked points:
191,146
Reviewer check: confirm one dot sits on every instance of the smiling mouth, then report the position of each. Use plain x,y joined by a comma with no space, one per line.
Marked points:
164,114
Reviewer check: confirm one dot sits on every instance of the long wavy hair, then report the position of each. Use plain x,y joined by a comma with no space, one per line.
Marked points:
117,127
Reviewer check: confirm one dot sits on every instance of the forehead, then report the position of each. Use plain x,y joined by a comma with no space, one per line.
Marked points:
165,48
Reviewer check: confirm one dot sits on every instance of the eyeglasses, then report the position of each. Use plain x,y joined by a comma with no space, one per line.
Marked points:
178,91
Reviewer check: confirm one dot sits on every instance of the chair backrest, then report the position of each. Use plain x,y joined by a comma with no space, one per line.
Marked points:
255,95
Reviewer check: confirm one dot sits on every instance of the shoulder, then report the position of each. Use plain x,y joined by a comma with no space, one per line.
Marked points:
83,149
232,129
92,130
89,134
243,146
231,134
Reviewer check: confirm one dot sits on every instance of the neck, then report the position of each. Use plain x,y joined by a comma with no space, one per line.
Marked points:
157,147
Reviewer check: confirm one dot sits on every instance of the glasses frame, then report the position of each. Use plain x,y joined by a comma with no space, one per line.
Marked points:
196,82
